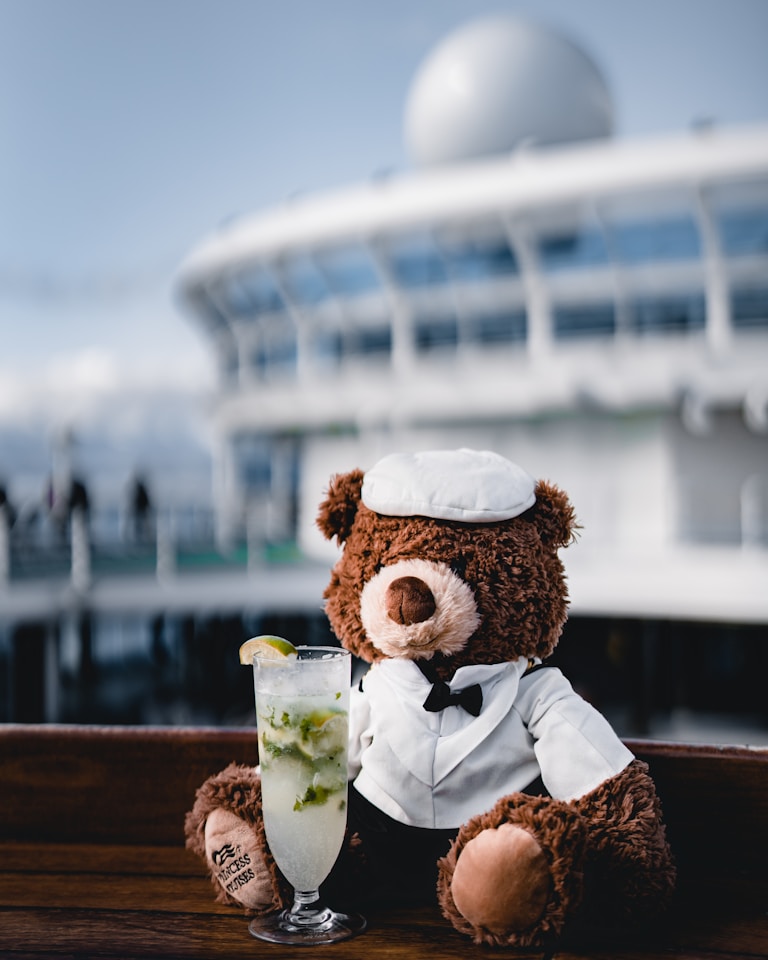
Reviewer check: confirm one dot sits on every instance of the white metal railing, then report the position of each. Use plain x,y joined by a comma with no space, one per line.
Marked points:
92,539
42,550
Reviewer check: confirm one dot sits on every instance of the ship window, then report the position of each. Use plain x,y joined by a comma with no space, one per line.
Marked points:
668,314
275,356
477,257
325,348
652,227
494,328
741,213
594,320
663,239
744,232
749,307
434,333
416,261
350,270
252,291
572,251
304,280
366,341
329,346
253,462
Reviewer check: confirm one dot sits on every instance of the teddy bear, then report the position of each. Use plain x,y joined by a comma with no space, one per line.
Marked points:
478,776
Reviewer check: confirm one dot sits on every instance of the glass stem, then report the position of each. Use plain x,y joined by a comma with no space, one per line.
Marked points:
307,909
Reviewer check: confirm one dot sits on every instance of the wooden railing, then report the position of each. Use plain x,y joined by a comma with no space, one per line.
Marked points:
92,858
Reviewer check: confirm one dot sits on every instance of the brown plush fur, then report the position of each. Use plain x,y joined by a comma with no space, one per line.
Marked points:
629,862
512,567
562,834
238,789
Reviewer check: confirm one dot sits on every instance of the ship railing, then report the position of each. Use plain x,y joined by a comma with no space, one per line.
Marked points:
177,540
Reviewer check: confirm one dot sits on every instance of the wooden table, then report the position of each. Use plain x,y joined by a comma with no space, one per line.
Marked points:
92,862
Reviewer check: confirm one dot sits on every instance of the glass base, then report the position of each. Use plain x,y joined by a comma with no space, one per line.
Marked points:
307,927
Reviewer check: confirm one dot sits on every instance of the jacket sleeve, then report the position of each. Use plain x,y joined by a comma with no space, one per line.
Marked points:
576,747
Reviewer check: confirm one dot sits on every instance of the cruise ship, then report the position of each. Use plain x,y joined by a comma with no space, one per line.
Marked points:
593,308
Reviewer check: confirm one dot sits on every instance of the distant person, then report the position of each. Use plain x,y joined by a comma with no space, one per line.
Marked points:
64,503
140,510
7,511
78,498
7,520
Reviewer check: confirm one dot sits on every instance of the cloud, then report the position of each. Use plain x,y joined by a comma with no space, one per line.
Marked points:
95,385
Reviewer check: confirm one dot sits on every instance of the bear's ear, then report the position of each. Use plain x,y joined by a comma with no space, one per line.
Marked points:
337,511
553,515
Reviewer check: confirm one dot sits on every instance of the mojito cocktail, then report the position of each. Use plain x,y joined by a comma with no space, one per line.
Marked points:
302,705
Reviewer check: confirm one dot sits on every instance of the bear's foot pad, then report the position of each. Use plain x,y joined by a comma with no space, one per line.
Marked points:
502,881
236,861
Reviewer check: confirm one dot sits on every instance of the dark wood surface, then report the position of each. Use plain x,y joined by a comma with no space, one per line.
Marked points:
92,862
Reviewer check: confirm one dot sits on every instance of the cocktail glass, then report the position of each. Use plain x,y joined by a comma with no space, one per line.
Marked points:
302,706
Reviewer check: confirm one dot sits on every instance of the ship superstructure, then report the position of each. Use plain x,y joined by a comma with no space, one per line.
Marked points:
595,309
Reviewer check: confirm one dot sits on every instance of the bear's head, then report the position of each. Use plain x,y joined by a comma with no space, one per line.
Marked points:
450,556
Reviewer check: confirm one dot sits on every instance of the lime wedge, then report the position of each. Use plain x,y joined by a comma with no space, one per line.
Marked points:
266,647
323,735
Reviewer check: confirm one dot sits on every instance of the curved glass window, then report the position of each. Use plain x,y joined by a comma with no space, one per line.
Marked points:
588,320
741,214
304,280
480,253
645,241
369,341
253,462
572,251
654,227
350,271
668,313
416,261
251,291
328,347
325,349
566,237
435,333
275,356
496,328
744,232
749,307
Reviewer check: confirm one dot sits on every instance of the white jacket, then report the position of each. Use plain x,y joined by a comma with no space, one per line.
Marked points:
437,770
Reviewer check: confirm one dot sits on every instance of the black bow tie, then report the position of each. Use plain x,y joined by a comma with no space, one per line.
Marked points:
441,695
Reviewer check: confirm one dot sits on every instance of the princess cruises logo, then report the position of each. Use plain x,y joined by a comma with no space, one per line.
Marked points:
220,857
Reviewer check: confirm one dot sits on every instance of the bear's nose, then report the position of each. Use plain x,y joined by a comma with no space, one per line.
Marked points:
409,600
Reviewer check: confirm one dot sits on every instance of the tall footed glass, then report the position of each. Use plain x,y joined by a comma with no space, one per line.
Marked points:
302,706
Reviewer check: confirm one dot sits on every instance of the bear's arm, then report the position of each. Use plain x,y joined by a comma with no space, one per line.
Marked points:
576,747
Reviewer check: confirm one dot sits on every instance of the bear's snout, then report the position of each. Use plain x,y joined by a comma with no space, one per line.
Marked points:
409,600
415,608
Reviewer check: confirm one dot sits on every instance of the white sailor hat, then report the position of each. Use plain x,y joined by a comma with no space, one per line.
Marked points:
472,486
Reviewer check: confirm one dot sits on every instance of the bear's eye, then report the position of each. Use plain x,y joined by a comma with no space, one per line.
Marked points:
459,566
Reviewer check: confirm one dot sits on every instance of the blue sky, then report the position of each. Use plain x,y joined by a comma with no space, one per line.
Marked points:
131,128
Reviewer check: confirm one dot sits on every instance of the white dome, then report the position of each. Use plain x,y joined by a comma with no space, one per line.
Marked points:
497,82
